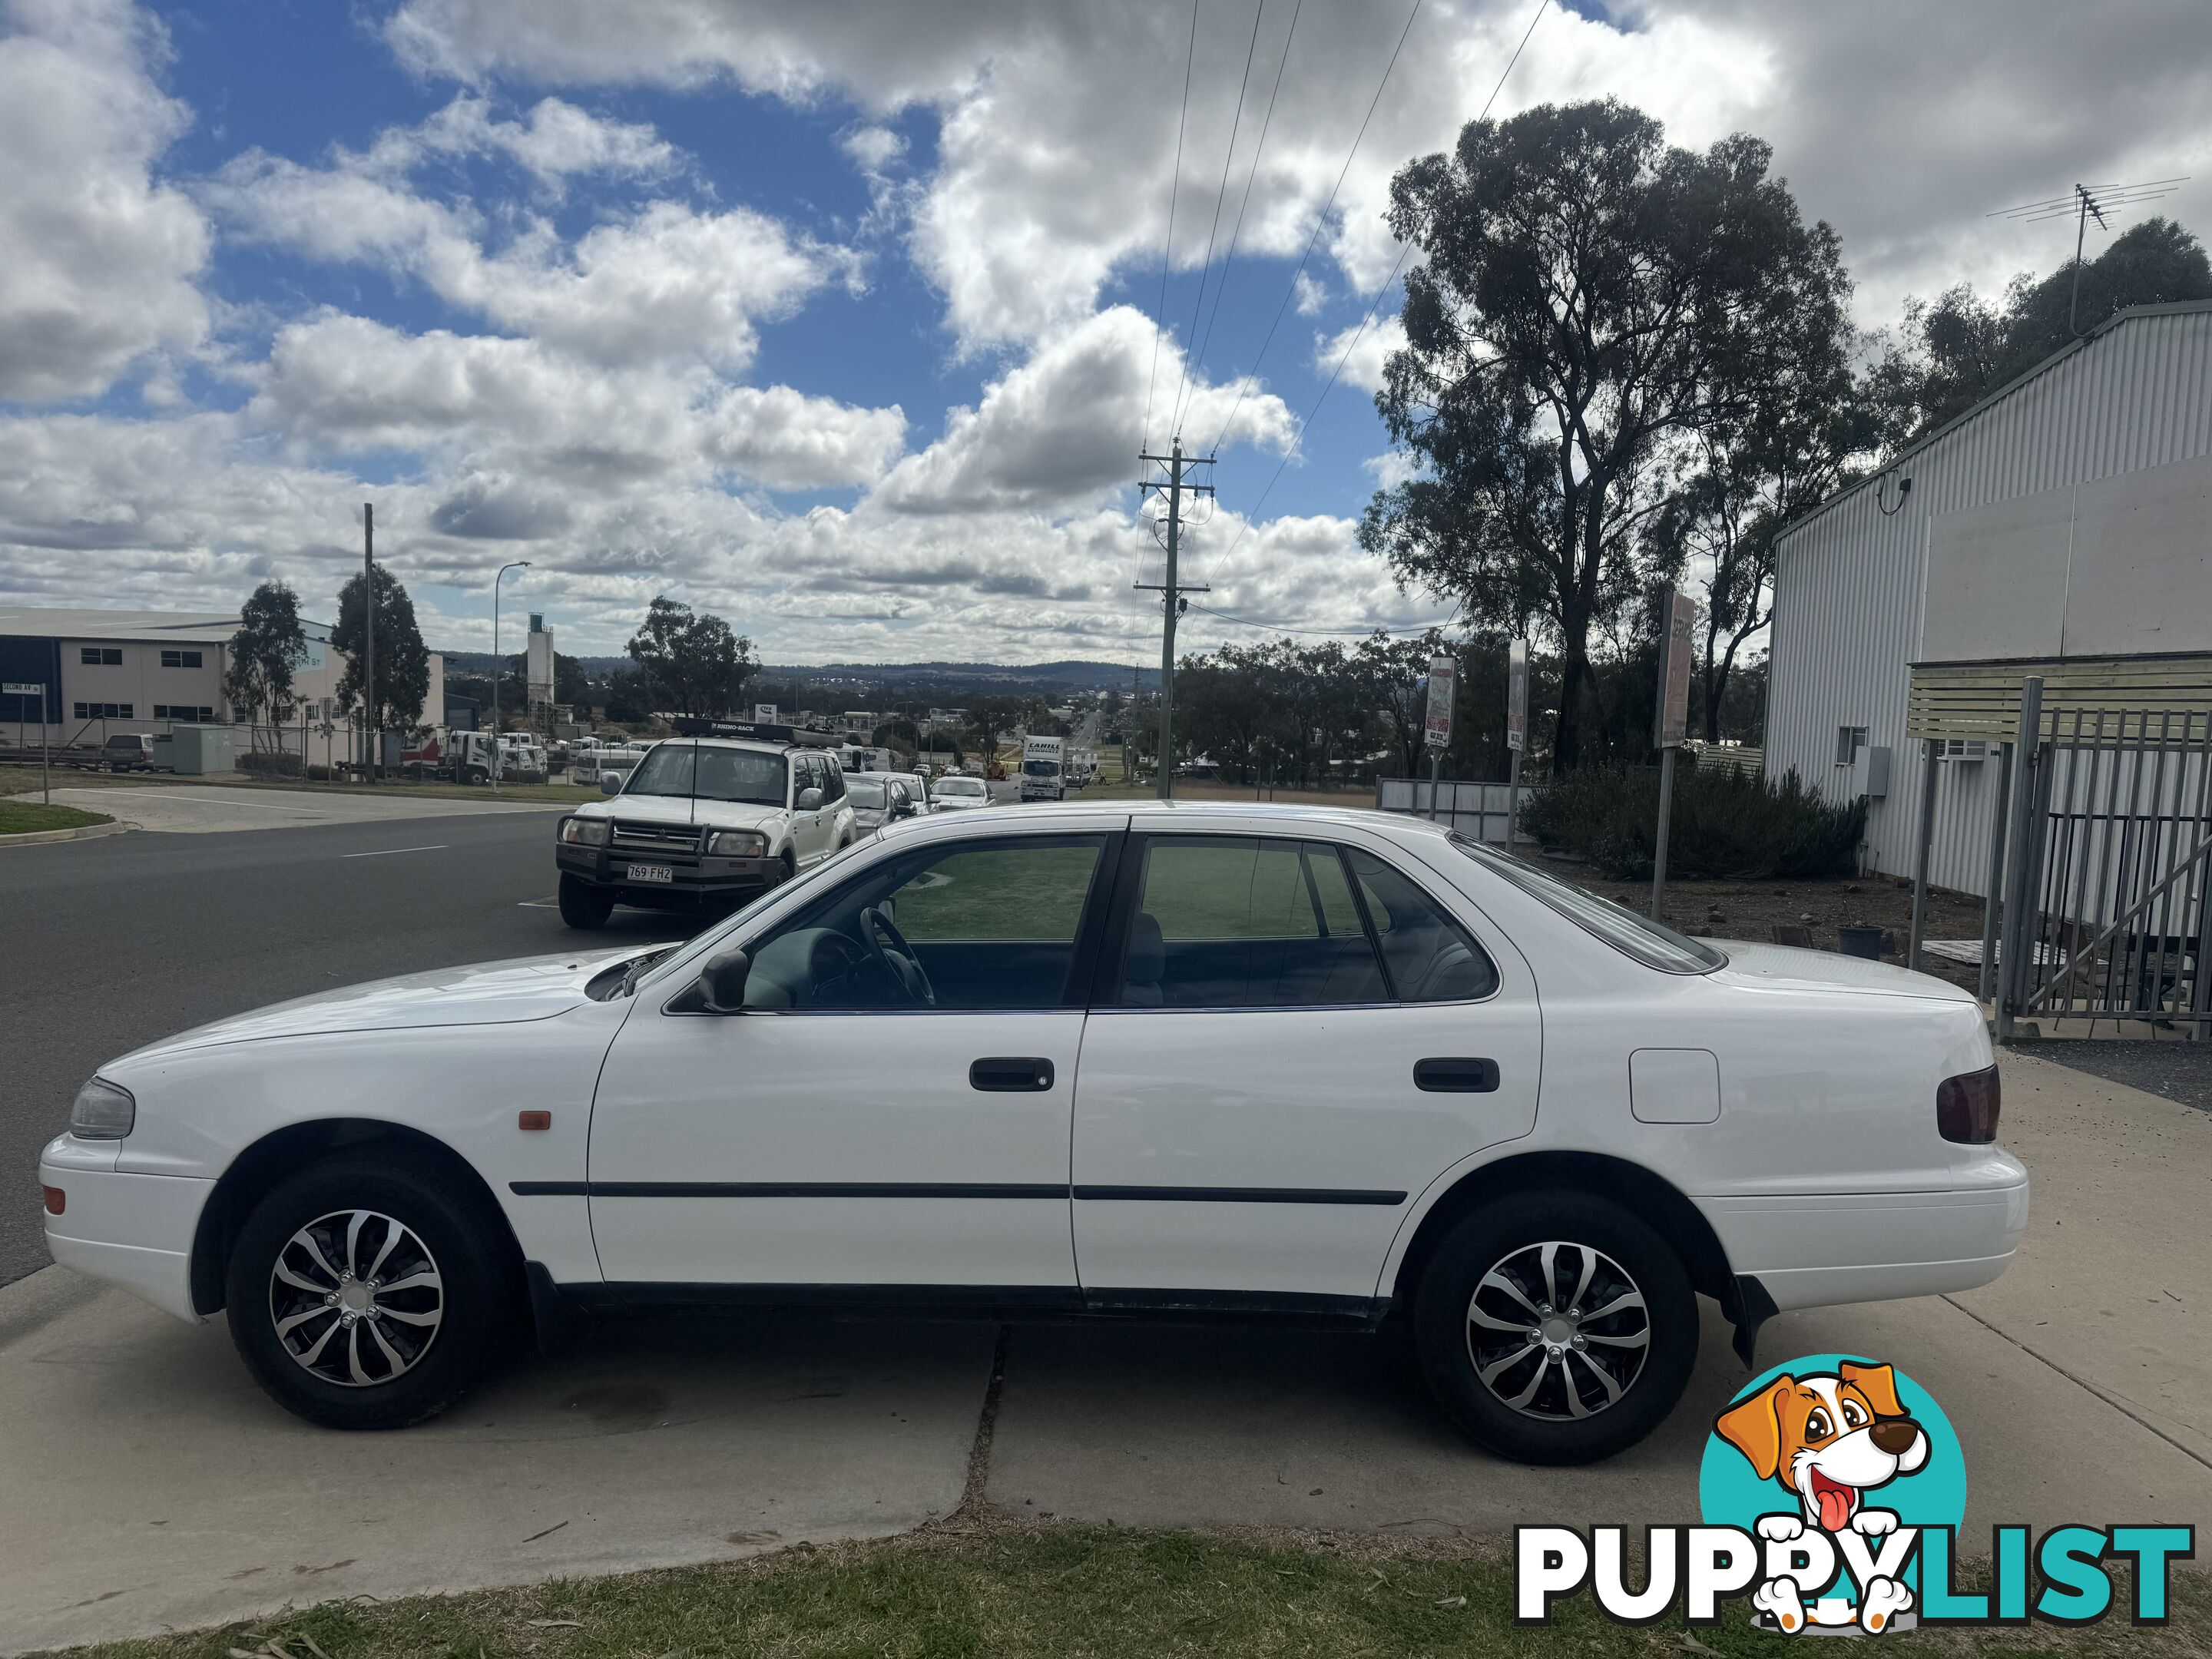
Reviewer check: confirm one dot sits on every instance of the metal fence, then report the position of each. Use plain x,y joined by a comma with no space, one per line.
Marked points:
1477,811
2110,919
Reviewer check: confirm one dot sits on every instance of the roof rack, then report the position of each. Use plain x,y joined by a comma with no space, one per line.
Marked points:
692,726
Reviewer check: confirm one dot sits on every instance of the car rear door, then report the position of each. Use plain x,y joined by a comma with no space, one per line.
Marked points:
1291,1040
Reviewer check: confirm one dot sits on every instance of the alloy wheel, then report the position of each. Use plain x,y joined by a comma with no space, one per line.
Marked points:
1558,1331
356,1297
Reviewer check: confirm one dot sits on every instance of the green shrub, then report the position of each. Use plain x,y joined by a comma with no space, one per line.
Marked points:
1726,826
260,764
319,774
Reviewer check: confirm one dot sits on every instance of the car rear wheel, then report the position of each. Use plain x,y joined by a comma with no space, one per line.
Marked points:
583,905
369,1295
1555,1327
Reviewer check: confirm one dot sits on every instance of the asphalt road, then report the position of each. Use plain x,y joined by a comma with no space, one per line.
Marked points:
108,944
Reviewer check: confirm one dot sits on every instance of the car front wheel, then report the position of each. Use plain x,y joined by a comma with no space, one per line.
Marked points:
369,1295
583,905
1555,1327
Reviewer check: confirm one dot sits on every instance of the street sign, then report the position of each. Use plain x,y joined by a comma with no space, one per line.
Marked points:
12,690
1436,726
764,713
1677,651
1517,695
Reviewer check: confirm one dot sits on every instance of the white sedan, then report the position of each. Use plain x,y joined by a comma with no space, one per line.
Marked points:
956,793
1333,1065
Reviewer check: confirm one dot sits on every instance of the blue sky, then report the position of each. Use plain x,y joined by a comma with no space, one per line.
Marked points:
837,319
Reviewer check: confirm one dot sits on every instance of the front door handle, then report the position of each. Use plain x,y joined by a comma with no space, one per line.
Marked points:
1011,1074
1456,1076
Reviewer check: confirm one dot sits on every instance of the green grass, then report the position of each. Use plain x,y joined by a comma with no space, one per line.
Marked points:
23,817
979,1588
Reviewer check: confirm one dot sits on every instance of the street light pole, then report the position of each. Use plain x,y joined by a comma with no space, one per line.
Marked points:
497,664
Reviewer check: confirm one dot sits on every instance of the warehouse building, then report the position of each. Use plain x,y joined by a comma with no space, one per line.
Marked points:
2062,529
113,672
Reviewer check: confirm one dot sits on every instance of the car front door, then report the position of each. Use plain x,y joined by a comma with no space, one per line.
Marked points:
1293,1040
764,1147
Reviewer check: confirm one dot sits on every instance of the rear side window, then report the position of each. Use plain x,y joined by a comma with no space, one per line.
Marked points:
1431,958
1227,921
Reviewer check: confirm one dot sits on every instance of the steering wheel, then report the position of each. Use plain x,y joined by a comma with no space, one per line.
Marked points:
896,956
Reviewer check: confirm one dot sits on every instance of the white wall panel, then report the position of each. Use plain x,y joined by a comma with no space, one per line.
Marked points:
1852,580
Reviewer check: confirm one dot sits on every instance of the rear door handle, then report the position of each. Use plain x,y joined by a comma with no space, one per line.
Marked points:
1011,1074
1454,1076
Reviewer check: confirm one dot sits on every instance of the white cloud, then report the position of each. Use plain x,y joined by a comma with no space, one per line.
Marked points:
100,257
557,141
1062,429
1368,342
1311,295
346,385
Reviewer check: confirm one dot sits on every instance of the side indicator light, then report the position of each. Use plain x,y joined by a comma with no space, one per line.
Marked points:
533,1119
57,1200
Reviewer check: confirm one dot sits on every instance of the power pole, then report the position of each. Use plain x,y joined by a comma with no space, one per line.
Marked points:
1171,592
368,623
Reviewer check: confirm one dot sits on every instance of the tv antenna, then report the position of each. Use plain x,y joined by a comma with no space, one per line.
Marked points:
2084,202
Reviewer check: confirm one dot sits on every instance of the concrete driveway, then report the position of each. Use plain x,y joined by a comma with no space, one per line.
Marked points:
180,809
171,1492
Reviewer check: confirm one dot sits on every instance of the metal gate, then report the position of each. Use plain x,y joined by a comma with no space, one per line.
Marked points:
2105,910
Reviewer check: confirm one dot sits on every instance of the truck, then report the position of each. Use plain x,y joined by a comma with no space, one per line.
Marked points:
460,756
1044,770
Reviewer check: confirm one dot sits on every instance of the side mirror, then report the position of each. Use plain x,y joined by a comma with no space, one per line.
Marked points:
610,783
722,981
810,800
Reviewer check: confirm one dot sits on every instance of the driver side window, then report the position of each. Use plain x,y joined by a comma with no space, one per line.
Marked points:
962,925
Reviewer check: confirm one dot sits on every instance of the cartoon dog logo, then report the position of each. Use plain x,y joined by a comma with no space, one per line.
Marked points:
1828,1438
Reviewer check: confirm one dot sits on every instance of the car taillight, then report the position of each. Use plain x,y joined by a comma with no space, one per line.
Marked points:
1966,1108
57,1200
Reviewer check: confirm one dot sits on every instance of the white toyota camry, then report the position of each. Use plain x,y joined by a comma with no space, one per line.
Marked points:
1190,1061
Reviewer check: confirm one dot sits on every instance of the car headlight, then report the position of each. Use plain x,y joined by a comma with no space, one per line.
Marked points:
584,832
103,1111
738,844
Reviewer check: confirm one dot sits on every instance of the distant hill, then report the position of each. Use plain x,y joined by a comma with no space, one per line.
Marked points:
1073,674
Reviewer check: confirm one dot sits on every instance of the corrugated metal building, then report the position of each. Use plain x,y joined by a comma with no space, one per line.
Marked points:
2061,527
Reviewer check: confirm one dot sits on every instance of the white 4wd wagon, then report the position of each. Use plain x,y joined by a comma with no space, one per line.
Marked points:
700,822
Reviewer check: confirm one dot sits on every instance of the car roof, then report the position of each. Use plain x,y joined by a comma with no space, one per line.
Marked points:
749,745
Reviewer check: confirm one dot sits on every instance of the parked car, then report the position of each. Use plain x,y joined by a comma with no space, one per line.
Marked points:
878,800
128,751
956,793
917,786
701,822
1334,1064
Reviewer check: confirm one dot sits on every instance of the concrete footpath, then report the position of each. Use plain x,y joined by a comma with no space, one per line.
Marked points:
170,1492
179,809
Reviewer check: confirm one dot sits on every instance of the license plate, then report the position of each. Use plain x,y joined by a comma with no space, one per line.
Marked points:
654,874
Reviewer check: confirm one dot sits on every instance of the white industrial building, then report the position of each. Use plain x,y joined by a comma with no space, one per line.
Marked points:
2062,528
112,672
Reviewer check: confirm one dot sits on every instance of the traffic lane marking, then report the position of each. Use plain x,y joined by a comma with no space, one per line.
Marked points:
387,851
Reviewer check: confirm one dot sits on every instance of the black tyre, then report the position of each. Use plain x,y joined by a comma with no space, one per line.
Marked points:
476,774
1555,1327
370,1295
583,905
790,867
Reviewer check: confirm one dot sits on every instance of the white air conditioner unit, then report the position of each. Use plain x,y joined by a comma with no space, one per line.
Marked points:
1966,749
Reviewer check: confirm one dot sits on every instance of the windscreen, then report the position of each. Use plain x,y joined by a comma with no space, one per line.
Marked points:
866,792
1042,768
960,787
687,770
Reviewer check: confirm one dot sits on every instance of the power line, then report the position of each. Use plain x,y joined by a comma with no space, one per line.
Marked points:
1360,332
1220,197
1236,235
1174,184
1320,225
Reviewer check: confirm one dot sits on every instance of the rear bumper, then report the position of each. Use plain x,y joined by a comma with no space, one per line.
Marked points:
1810,1250
134,1231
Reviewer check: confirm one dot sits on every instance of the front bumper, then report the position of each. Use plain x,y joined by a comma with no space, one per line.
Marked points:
1815,1249
134,1231
692,880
